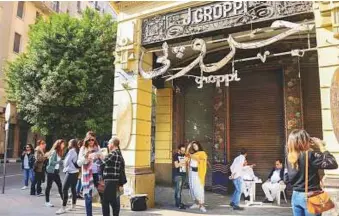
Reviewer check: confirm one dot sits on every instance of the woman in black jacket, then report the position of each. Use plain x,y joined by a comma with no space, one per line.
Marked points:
300,143
27,164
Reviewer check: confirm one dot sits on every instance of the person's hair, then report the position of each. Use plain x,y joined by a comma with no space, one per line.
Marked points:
181,146
298,141
74,144
39,142
90,133
30,146
86,141
243,151
57,147
198,144
115,141
279,160
80,143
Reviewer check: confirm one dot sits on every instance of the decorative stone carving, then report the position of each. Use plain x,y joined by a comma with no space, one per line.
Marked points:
217,15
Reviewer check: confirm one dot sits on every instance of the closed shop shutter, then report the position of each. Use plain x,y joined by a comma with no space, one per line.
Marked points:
199,119
257,118
311,100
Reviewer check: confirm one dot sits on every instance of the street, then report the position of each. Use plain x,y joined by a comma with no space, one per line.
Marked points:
18,202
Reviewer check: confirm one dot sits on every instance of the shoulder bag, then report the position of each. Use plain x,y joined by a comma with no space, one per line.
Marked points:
319,201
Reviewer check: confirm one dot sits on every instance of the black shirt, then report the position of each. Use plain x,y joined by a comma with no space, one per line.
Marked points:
317,160
181,171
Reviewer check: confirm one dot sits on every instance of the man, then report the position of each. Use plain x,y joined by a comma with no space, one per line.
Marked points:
236,176
272,185
38,167
179,161
112,171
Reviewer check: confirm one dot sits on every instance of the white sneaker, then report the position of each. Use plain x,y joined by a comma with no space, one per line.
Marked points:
49,204
71,208
24,188
203,209
194,206
61,211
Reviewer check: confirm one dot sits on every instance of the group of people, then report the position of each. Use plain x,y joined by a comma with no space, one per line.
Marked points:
86,167
192,162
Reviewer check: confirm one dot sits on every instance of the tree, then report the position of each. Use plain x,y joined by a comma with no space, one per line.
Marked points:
63,83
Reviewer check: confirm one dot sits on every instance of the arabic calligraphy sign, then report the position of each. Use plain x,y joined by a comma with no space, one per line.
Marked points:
215,16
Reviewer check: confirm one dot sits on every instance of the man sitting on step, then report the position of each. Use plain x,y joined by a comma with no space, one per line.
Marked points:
272,186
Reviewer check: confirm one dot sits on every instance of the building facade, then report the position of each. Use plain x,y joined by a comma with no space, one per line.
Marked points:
230,74
15,19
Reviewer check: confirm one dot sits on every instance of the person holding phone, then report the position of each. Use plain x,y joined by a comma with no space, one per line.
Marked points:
27,164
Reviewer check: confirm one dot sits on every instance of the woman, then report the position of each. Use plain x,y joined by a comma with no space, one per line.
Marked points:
71,177
299,144
40,159
89,152
79,186
197,173
27,165
52,169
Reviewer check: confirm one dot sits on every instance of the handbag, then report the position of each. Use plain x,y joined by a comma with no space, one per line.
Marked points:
319,201
139,203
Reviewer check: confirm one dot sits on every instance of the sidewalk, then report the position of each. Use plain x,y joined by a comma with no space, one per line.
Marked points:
17,202
11,160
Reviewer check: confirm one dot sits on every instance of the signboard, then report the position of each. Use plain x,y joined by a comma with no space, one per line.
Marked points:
217,15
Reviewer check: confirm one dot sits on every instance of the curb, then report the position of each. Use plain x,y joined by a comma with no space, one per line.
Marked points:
10,161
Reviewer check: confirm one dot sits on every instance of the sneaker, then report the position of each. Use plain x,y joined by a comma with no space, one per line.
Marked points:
267,201
40,194
182,206
49,204
61,211
71,208
24,188
203,209
232,204
238,208
194,206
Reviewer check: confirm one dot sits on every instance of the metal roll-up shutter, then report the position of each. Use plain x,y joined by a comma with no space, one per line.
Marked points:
311,100
257,118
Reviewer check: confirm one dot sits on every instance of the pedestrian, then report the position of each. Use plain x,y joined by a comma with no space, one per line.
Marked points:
180,165
27,164
53,169
87,155
40,158
236,177
299,145
79,185
114,177
71,177
197,174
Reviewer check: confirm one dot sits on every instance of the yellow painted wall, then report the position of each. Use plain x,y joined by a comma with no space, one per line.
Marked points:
328,57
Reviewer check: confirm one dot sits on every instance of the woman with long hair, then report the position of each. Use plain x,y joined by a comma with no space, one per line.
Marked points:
197,173
71,177
27,158
52,169
299,144
79,185
89,153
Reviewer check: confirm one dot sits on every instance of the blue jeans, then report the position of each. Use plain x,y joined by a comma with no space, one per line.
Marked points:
28,174
179,182
237,191
88,203
299,206
79,186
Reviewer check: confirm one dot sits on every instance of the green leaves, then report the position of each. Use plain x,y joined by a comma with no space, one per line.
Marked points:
63,84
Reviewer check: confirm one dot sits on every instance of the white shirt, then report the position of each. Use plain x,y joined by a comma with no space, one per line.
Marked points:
26,165
237,166
247,173
275,178
57,165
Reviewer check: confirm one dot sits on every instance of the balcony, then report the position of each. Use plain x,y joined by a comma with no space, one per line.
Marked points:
48,7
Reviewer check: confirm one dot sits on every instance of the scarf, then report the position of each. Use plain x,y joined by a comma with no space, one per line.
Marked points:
202,165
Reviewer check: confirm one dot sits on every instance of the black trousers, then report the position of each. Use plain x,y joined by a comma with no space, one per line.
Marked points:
110,199
70,181
53,177
37,183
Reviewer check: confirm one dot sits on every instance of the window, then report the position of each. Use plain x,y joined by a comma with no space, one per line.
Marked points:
56,6
17,41
79,6
20,10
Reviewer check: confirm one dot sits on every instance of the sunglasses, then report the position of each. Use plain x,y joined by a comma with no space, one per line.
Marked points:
92,140
28,147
